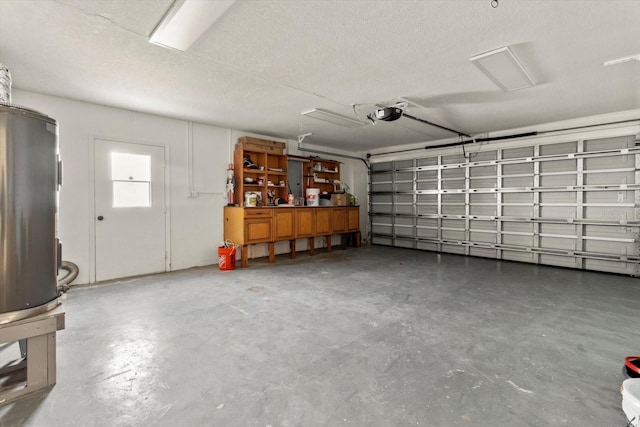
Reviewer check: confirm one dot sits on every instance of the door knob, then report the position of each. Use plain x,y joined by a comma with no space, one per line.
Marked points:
100,218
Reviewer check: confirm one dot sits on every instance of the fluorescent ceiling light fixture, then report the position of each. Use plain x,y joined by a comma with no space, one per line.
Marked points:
331,117
622,60
504,69
186,21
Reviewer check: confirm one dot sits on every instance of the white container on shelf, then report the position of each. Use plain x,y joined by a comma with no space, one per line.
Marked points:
313,197
250,199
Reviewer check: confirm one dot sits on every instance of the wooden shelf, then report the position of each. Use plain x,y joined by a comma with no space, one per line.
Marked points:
322,169
271,158
274,166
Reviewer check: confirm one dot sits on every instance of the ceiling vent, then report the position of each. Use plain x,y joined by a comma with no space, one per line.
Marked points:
622,60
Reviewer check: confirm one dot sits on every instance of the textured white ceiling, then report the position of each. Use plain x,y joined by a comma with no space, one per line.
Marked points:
266,61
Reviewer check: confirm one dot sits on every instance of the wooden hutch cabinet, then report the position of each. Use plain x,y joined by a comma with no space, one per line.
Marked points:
260,167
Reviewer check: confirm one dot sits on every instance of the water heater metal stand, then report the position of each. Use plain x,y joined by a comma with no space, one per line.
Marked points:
38,369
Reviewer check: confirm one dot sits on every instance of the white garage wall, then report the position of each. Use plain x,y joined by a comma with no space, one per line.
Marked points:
195,222
198,157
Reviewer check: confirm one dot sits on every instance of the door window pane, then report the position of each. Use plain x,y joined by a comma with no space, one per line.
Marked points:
131,194
131,177
130,167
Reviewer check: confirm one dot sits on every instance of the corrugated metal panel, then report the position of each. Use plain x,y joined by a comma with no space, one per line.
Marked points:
573,204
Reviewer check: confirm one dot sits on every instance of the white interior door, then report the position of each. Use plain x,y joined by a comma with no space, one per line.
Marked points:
130,209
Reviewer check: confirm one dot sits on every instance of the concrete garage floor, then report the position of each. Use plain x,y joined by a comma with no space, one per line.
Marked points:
367,337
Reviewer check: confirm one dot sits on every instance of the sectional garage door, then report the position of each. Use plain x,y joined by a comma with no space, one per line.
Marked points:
572,204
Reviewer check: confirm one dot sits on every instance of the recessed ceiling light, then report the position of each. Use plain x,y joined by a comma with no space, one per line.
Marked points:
504,69
331,117
186,21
